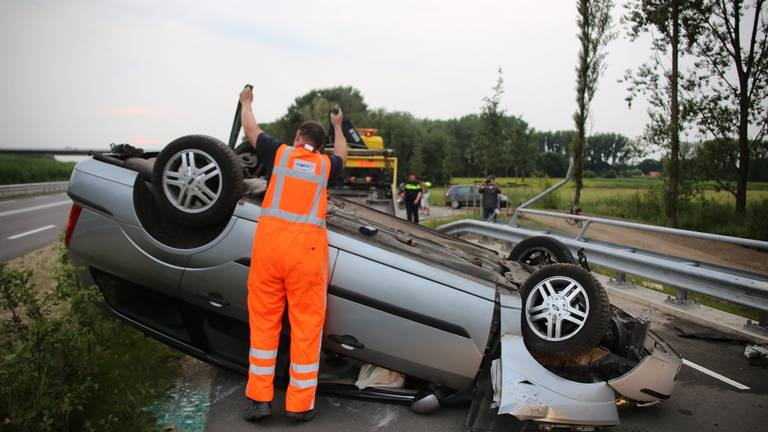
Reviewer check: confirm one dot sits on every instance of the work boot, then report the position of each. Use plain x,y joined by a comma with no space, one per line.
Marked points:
257,410
303,416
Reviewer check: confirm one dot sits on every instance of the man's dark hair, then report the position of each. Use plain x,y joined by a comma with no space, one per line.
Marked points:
314,132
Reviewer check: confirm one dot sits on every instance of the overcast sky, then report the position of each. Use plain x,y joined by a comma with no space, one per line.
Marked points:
88,73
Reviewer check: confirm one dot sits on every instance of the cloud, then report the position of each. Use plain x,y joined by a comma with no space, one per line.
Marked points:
111,68
129,111
144,141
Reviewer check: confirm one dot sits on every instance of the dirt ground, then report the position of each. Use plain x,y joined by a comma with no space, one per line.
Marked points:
41,263
708,251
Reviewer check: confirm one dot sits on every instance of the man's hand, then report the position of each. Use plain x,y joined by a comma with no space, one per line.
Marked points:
340,143
336,117
246,96
250,127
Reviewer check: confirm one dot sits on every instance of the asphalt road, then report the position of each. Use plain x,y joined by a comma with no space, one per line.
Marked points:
29,223
699,403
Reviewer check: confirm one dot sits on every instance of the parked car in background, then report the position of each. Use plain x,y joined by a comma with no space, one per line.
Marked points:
468,195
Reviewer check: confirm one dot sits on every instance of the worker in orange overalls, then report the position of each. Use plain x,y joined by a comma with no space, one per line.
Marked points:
289,260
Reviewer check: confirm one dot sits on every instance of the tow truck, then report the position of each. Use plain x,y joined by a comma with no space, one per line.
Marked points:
371,169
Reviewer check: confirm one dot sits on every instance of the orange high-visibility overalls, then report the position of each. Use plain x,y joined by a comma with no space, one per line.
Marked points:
289,259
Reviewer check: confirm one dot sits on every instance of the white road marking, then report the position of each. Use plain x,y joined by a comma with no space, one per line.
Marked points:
34,231
7,202
714,374
33,208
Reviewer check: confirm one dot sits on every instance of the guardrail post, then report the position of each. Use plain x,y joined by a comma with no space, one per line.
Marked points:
583,231
621,278
761,324
680,298
620,281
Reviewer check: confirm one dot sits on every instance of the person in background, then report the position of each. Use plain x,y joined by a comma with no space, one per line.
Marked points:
425,196
411,195
490,201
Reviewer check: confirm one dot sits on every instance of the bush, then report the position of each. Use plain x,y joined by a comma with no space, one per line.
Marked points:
633,172
588,174
24,169
67,365
695,212
551,201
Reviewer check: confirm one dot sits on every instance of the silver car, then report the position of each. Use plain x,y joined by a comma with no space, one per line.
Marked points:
167,239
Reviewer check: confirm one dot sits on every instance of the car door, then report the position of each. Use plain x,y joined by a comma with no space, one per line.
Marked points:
476,197
465,196
395,317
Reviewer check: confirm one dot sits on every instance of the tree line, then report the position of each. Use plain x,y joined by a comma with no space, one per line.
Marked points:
463,147
719,97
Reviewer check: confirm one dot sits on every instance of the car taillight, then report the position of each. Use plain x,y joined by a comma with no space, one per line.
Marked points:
74,214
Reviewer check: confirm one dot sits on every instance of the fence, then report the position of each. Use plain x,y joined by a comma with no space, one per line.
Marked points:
32,188
732,285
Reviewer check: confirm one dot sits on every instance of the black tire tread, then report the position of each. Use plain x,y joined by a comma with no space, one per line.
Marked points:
558,249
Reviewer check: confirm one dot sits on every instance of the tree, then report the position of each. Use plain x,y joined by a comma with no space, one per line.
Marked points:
663,20
516,154
648,165
416,160
595,31
314,105
733,70
609,153
492,136
552,164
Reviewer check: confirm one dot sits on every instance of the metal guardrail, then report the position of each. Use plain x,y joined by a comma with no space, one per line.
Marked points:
33,188
50,151
735,286
759,244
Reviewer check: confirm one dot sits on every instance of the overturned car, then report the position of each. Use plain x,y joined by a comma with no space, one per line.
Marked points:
167,238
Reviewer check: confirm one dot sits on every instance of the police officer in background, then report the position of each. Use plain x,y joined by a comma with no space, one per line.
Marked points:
411,195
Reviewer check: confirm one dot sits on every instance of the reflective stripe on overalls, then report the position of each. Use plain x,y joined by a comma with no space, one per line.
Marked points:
279,175
289,260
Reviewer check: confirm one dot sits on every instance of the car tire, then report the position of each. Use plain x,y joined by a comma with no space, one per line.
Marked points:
540,251
208,191
455,204
565,311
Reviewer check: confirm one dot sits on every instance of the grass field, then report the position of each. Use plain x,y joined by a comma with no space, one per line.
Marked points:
595,189
642,199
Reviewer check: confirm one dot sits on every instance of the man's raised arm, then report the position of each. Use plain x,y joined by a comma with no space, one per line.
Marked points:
339,143
250,127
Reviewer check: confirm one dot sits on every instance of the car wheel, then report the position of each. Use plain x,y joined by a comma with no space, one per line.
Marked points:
541,251
566,311
455,204
197,180
246,155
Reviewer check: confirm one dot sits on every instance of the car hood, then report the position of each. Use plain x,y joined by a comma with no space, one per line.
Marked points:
424,244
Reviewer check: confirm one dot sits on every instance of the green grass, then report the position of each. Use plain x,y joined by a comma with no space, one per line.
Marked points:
642,199
32,169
